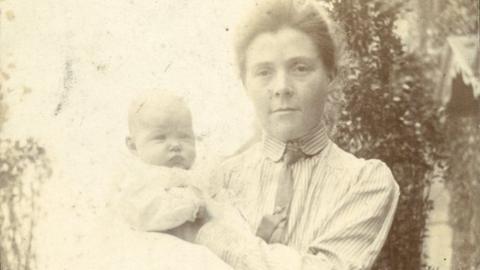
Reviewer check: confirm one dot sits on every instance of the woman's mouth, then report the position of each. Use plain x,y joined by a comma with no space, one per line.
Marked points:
284,110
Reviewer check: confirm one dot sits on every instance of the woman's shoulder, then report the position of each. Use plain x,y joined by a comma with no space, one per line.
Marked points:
360,169
340,159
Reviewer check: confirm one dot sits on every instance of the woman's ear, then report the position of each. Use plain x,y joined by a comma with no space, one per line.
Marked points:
331,77
245,88
131,145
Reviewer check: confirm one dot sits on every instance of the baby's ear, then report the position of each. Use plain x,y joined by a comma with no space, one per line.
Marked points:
130,144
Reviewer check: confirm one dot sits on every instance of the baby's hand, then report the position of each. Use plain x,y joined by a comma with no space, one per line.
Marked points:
192,196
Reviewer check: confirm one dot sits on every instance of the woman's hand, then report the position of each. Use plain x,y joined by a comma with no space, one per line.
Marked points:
271,228
226,214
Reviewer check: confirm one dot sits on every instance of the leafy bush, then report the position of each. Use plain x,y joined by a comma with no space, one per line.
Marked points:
389,115
462,128
23,167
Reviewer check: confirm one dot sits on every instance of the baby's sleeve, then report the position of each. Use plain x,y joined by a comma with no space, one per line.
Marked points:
150,207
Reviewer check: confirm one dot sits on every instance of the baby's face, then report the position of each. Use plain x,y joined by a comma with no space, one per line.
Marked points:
165,138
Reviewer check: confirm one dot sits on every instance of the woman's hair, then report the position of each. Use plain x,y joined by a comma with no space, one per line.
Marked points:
311,19
272,15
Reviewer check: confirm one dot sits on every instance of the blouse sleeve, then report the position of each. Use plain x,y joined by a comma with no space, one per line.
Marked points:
352,239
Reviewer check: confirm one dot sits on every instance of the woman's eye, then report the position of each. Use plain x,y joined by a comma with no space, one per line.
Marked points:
262,73
301,69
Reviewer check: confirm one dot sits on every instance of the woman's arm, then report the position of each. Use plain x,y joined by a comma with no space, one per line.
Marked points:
352,239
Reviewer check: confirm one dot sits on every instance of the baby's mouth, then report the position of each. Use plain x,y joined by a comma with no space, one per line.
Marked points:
176,159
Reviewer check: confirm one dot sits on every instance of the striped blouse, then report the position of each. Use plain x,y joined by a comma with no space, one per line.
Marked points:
341,210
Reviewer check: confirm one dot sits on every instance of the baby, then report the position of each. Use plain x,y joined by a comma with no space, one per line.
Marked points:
164,197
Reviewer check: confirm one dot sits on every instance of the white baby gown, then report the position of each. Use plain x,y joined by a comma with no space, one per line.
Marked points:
135,249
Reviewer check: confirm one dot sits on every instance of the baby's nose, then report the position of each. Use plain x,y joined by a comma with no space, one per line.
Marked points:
175,145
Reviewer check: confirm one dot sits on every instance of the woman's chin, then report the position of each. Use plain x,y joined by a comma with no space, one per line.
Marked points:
287,132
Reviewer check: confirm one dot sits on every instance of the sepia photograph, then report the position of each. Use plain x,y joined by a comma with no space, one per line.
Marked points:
240,135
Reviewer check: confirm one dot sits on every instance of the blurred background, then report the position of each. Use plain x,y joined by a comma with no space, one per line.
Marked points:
68,70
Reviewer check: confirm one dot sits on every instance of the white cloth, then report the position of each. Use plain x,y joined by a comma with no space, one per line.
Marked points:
159,199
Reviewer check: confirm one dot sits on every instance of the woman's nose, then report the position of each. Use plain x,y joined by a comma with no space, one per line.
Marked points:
281,85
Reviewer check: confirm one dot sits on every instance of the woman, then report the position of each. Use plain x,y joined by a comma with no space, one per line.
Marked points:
307,203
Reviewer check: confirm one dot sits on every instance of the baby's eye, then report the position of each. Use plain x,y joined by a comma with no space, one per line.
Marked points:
161,137
184,136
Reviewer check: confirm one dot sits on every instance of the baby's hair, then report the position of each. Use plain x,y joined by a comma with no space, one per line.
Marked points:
163,99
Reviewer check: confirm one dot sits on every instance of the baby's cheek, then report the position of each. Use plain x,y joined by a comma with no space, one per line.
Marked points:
191,156
157,155
190,150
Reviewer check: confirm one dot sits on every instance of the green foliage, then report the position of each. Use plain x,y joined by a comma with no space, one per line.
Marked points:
389,115
461,17
23,167
19,192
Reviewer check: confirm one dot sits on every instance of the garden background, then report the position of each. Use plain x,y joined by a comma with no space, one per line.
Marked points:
69,69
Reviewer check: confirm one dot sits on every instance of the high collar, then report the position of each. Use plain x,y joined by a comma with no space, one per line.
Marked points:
310,144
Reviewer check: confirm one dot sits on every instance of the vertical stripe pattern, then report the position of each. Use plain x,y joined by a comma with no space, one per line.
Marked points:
341,209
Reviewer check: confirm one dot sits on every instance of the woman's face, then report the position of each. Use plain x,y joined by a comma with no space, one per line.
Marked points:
286,81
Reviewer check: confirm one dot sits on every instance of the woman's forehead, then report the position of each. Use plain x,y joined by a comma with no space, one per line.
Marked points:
282,45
